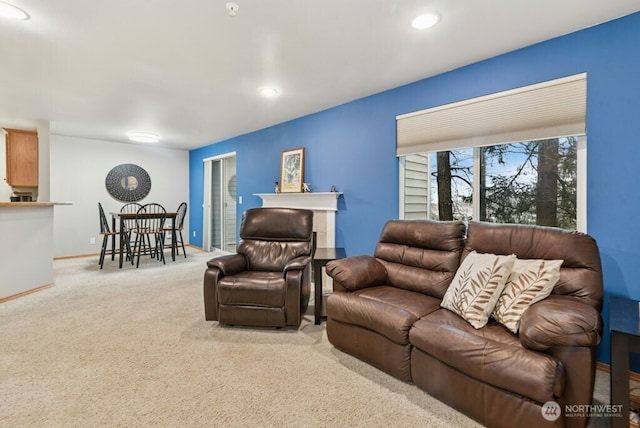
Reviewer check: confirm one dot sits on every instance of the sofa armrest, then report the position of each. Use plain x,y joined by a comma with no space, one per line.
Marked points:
357,272
560,321
229,264
297,263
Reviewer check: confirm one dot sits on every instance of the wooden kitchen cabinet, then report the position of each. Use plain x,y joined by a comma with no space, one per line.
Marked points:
22,157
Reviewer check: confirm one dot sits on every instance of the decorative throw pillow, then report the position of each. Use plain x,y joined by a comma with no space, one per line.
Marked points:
477,285
530,281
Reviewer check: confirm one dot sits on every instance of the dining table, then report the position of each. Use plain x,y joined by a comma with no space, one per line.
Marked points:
132,216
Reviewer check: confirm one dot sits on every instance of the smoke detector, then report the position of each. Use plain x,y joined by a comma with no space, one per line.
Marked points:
232,8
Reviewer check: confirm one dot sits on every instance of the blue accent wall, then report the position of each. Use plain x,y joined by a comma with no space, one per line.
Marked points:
352,145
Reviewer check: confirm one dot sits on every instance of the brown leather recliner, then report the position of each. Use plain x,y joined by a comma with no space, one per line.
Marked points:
267,282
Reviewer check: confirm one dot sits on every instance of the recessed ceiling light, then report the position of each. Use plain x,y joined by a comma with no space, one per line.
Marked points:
12,12
268,92
424,21
143,137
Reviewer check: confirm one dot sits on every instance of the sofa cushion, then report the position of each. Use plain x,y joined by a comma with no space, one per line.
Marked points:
529,282
253,288
477,285
271,256
581,272
491,355
386,310
421,255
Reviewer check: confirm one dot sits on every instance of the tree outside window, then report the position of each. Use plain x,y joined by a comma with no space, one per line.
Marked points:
532,182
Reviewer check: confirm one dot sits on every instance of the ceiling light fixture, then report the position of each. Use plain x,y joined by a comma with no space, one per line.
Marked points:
268,92
143,137
425,21
12,12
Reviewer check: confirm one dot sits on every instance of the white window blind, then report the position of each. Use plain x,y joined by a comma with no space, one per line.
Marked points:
552,109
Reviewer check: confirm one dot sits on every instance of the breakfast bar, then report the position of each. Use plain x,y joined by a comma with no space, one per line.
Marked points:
26,253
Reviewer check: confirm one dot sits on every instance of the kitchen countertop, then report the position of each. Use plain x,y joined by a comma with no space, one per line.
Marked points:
31,204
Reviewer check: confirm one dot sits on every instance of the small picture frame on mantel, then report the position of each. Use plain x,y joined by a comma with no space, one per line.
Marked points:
292,170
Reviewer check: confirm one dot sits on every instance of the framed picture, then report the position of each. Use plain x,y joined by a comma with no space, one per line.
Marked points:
292,170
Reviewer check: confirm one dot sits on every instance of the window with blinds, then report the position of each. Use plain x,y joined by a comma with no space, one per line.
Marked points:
513,157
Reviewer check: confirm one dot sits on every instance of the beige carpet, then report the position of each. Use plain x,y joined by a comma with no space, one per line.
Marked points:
130,348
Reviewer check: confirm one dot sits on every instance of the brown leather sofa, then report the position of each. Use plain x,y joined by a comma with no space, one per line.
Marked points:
267,282
386,311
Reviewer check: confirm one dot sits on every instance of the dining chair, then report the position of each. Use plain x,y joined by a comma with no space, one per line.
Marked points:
179,225
130,208
130,223
150,220
106,232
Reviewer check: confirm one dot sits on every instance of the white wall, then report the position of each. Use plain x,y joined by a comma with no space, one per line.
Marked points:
44,161
79,167
25,256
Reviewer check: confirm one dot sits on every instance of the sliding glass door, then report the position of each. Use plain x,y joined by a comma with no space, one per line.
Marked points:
220,203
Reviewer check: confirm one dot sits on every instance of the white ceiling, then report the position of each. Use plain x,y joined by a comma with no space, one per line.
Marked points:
190,72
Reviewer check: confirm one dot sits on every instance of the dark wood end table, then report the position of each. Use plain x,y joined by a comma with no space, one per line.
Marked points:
624,326
321,257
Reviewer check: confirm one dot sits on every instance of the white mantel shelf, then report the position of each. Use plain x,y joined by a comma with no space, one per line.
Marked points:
319,201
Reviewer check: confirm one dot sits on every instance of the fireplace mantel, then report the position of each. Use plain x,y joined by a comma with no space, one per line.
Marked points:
323,204
317,201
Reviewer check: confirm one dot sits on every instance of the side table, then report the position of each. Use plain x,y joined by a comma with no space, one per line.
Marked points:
321,257
624,326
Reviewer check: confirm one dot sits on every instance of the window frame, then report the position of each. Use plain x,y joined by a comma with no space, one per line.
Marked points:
581,184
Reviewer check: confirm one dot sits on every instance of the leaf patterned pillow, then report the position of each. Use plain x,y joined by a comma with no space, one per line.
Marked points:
530,281
477,285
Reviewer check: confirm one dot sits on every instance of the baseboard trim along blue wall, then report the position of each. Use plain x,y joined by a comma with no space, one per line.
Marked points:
352,146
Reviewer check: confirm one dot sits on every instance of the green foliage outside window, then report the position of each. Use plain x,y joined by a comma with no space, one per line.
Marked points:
533,182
